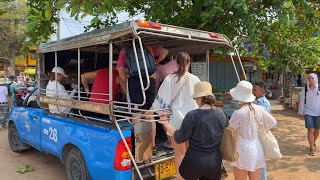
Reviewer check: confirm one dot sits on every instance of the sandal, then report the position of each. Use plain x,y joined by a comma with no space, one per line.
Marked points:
311,153
154,151
167,145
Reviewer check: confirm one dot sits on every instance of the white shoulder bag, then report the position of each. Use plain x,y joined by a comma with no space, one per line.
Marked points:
269,142
178,113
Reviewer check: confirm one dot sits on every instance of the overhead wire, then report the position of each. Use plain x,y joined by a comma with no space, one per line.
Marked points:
67,25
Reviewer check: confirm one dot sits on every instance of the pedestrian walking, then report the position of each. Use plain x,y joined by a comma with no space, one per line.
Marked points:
309,107
175,92
249,119
203,128
259,91
5,102
12,88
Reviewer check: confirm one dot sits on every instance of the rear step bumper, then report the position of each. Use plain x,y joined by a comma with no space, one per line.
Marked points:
157,161
148,169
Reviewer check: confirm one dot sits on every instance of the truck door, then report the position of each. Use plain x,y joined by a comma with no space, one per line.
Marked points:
51,129
29,121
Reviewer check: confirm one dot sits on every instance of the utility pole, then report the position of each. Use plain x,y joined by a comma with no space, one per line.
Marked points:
58,26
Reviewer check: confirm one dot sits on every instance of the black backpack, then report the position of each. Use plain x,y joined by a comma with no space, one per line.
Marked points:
305,93
8,86
131,63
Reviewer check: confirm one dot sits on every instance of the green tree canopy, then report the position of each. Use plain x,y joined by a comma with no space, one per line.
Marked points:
281,28
12,27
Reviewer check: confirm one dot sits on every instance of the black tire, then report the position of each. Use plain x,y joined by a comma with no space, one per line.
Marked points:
75,165
15,144
4,124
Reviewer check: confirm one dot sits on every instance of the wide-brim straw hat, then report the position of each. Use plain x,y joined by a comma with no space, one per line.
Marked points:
3,81
202,89
243,92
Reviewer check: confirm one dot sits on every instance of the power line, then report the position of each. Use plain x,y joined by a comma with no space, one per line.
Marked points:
66,25
72,20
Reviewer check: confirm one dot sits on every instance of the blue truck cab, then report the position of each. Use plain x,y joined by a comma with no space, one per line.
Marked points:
94,149
104,143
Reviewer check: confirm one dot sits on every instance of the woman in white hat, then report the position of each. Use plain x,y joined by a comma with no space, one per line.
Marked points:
249,119
203,128
5,102
57,90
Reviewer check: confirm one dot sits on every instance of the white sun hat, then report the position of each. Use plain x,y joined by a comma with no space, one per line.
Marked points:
243,92
59,70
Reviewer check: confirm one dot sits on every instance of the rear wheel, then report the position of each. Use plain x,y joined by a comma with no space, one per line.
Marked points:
76,167
4,124
14,140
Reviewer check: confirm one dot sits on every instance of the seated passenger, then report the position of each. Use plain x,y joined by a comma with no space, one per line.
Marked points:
100,88
57,90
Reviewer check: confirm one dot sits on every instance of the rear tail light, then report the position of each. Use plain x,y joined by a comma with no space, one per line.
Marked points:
155,25
148,24
122,159
213,35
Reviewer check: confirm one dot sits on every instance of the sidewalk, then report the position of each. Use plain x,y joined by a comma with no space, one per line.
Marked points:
296,164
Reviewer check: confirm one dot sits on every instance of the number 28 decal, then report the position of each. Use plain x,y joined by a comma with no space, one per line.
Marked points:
52,133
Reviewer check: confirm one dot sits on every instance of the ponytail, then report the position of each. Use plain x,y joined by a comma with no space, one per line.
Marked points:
182,60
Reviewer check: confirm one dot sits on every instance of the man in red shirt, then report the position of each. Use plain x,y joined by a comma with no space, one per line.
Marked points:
100,88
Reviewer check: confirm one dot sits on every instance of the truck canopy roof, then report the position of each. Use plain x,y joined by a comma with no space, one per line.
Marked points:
172,37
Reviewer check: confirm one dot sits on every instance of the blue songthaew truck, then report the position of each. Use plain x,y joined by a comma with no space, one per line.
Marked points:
104,143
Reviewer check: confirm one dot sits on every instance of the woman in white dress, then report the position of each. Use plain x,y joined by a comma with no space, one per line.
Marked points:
249,119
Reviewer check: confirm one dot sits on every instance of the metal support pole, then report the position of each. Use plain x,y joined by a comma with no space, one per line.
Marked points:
208,63
79,73
110,77
234,65
95,59
244,73
129,151
58,25
56,65
143,89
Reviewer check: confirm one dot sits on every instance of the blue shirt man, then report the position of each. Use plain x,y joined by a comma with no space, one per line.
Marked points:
264,102
259,90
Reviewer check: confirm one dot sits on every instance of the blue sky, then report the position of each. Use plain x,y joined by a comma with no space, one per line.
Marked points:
71,27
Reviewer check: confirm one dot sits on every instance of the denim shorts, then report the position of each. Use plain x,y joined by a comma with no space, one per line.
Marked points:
312,121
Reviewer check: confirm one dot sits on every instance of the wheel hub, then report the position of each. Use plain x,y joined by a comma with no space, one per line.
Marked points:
15,139
75,170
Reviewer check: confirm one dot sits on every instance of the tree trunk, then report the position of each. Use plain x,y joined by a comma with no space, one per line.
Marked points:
12,56
285,91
